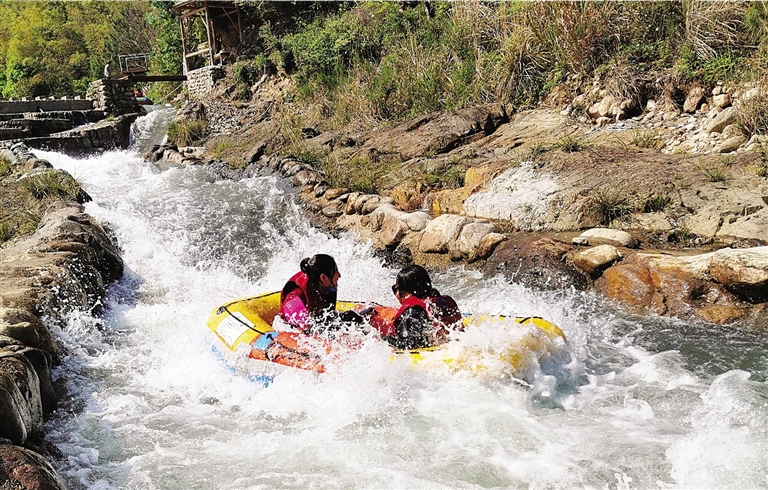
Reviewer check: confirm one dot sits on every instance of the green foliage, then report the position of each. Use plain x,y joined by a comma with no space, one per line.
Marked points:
711,173
51,183
659,202
5,166
184,132
360,173
58,48
762,167
571,143
647,139
451,177
721,67
606,205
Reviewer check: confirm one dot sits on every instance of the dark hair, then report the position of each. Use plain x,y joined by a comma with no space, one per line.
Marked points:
317,265
415,279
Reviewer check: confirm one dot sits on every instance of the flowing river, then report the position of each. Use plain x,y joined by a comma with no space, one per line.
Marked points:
632,402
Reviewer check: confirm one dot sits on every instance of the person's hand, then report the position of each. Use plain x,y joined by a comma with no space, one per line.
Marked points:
366,310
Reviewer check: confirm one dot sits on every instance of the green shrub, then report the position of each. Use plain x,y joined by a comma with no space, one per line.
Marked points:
360,173
657,203
5,167
6,231
646,139
185,132
571,143
762,167
711,174
606,205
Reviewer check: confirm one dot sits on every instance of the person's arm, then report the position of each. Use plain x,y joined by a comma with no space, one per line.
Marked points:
411,329
295,312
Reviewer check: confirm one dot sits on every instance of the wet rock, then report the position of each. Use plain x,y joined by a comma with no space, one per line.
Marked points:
441,232
665,285
596,259
20,400
27,329
21,468
538,263
488,244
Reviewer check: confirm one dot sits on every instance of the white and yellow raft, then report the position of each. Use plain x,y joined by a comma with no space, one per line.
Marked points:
245,339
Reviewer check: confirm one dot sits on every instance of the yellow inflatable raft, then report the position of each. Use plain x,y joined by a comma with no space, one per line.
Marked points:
245,340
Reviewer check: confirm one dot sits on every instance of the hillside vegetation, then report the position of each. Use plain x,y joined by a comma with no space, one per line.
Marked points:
58,48
377,61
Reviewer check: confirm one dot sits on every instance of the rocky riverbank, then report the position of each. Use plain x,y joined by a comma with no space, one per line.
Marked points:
622,200
64,266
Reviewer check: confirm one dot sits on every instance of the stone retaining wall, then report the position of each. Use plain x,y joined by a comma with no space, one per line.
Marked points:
114,96
200,82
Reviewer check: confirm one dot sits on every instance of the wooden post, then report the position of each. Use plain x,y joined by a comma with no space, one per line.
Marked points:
208,32
185,66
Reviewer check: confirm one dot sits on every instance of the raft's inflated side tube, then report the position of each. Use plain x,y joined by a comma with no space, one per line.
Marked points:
246,324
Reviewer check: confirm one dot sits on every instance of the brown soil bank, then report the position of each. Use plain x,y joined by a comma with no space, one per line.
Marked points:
63,266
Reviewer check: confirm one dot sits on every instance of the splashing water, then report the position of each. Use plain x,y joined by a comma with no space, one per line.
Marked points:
631,403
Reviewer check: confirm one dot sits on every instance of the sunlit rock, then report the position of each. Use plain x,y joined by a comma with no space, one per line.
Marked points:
600,236
26,328
744,271
441,232
596,259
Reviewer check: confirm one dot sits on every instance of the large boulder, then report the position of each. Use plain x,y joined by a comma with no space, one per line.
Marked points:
27,329
470,238
441,232
538,263
666,285
719,122
742,271
23,469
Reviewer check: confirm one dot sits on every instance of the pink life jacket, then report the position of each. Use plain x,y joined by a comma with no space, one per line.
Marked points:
299,285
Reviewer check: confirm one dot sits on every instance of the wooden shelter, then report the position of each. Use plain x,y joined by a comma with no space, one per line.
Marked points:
223,30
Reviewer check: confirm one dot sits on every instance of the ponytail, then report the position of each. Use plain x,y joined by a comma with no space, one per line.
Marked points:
318,265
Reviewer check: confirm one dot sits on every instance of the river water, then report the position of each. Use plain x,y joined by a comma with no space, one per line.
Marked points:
631,402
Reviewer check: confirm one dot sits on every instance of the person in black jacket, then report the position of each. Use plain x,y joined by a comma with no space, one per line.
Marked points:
425,316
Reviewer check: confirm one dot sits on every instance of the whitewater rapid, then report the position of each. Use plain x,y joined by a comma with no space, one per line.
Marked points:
632,403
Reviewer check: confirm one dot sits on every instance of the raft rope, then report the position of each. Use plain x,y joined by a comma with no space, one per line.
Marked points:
224,308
